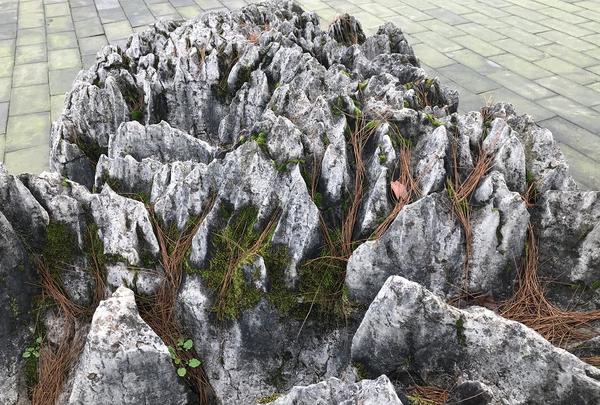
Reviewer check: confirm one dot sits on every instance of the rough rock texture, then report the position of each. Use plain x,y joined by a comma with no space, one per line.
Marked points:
195,123
122,351
409,329
335,391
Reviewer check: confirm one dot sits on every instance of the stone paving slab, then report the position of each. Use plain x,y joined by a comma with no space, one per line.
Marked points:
541,55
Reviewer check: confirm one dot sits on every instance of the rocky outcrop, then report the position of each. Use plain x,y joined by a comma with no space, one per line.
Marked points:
264,177
335,391
124,361
408,329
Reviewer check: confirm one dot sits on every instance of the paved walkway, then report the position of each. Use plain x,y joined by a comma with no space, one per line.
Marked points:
542,55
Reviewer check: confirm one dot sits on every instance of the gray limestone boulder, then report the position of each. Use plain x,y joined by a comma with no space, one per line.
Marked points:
124,361
408,329
338,392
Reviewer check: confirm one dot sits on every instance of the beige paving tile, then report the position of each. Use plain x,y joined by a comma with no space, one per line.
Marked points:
30,99
30,160
31,36
25,131
62,40
477,45
64,59
117,30
6,66
30,53
5,88
30,74
57,9
520,66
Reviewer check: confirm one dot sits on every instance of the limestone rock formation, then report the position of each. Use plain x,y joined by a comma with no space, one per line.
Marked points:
248,204
122,351
335,391
409,329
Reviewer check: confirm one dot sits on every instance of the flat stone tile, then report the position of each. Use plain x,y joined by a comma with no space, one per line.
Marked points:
566,27
31,20
25,131
189,12
447,16
111,15
527,25
572,111
31,36
411,12
33,160
9,16
432,57
567,70
407,25
30,6
89,28
524,37
31,53
481,32
59,24
2,147
3,120
117,30
64,59
379,10
520,66
444,29
477,45
562,86
141,17
91,45
83,13
521,50
523,105
583,169
81,3
562,15
30,74
7,48
437,42
6,67
61,81
521,85
184,3
62,40
475,61
577,58
468,78
8,31
576,137
57,105
57,9
523,12
568,40
31,99
5,88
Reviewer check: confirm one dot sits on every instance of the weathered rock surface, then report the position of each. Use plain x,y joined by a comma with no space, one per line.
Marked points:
335,391
195,122
408,329
124,361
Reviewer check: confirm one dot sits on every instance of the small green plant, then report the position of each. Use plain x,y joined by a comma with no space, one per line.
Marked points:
460,331
33,351
433,120
269,398
382,158
183,346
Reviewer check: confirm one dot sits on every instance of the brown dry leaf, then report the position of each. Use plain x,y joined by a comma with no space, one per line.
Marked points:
399,190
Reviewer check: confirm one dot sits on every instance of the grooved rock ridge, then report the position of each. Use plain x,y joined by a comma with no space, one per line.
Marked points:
248,208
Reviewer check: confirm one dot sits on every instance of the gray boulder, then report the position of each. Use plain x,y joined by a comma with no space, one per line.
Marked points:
337,392
124,361
408,329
